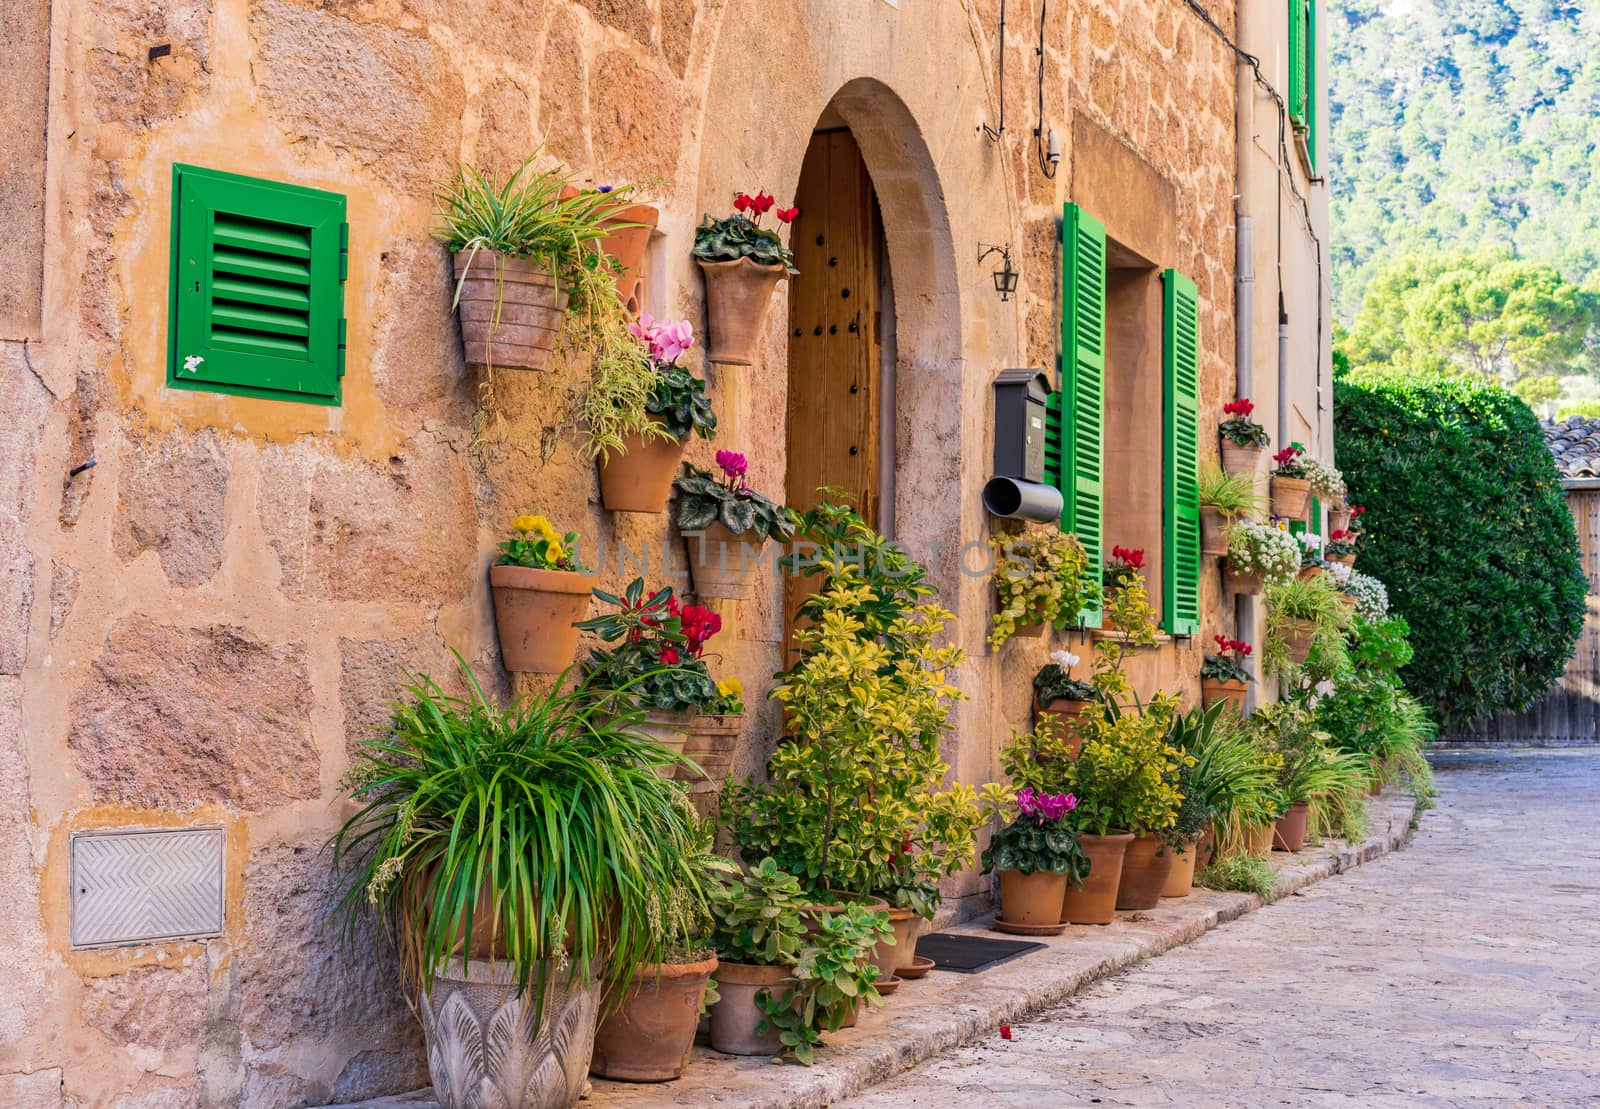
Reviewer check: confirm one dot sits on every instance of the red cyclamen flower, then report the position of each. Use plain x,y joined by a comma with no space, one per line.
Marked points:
669,656
787,215
763,203
1241,407
743,203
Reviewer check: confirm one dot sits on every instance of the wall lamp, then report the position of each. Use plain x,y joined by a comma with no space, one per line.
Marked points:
1005,278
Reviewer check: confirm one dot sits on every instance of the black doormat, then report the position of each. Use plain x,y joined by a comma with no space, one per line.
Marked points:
970,954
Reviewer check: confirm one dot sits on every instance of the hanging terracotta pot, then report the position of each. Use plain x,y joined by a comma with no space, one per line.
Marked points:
638,478
711,743
1237,460
1289,833
1180,879
1213,531
626,245
1213,690
735,1016
1308,573
649,1036
1145,866
1029,631
1297,636
1030,904
1240,583
511,310
722,564
1344,560
1338,520
1291,496
887,956
670,729
1067,713
534,611
1096,902
737,294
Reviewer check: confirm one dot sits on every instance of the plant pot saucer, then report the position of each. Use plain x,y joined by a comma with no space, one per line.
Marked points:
920,965
887,986
1027,929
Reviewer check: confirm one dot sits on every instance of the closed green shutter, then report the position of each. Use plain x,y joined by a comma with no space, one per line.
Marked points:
1083,363
1311,82
1316,516
1298,27
257,297
1180,532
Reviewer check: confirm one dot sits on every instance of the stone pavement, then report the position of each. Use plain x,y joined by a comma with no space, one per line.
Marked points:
1464,971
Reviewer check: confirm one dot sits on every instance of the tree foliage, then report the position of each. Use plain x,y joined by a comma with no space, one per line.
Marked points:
1467,525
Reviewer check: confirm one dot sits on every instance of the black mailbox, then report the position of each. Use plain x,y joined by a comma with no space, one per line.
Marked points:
1021,399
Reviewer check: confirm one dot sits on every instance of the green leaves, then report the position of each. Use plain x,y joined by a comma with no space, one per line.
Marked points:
679,399
735,237
703,500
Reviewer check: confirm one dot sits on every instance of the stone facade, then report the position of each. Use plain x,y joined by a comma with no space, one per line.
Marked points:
197,627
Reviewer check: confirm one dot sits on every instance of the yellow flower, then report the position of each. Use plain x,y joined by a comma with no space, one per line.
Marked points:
526,523
731,687
556,551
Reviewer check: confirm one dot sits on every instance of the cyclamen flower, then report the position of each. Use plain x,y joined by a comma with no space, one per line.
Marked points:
743,203
1241,408
1131,557
1064,659
698,624
1287,454
787,215
733,463
669,656
763,203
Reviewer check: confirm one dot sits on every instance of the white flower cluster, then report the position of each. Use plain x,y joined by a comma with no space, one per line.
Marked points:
1264,549
1326,481
1310,542
1064,659
1372,596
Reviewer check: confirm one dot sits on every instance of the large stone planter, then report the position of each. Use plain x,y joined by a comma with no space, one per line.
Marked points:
649,1036
737,294
534,611
510,310
723,565
484,1049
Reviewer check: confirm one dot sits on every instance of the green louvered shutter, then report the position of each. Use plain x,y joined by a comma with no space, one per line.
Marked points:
257,297
1299,26
1180,531
1083,365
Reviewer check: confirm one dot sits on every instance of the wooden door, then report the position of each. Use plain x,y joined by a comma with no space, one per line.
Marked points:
834,339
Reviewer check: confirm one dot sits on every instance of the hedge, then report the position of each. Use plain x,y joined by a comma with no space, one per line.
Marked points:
1467,525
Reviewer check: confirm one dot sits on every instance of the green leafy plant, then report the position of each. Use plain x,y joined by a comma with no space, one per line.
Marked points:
1131,616
758,918
1233,495
742,236
704,500
1245,873
833,977
1265,549
1290,462
1317,602
1034,832
1040,577
1054,681
538,546
656,662
1236,777
1126,774
542,830
678,399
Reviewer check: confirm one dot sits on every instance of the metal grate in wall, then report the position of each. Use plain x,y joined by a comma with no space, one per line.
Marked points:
145,885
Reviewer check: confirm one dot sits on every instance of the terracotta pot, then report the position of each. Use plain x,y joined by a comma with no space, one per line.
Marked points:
1310,573
737,294
627,245
670,729
1032,899
1180,879
1344,560
1067,712
482,1044
711,743
888,957
639,479
1258,840
1338,520
1291,496
1096,902
649,1036
1240,583
1213,531
1297,635
534,611
1145,867
1213,690
1240,460
735,1016
1029,631
529,305
1289,833
722,564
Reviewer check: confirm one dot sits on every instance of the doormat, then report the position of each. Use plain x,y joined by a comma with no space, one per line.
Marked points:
970,954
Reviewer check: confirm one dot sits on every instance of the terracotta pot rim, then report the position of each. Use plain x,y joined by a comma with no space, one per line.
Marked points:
1225,683
525,266
776,268
1109,837
753,974
546,581
656,971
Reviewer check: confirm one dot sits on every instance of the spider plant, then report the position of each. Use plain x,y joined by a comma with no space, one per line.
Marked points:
542,833
1233,495
1336,788
1235,776
1314,600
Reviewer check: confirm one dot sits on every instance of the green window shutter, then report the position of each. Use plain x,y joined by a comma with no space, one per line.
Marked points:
257,290
1083,364
1316,516
1298,26
1311,82
1180,532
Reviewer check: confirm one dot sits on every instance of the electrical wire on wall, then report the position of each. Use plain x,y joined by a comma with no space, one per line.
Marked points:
993,133
1047,149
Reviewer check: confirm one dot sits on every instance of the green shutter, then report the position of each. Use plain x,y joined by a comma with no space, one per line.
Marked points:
1180,531
257,295
1297,61
1311,82
1316,516
1083,364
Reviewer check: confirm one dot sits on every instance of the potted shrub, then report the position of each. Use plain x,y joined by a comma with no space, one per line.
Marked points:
713,736
1224,498
742,263
1291,491
540,589
513,853
758,932
1037,853
520,248
1327,483
1243,439
1224,676
627,226
1059,696
730,522
639,423
655,666
1302,616
1233,774
1040,577
1310,773
1258,553
1342,548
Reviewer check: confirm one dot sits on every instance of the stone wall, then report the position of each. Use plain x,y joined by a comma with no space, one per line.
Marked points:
196,629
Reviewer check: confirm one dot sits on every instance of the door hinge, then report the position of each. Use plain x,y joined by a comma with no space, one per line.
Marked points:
344,252
340,361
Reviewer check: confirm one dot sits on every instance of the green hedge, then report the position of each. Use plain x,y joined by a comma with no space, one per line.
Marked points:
1467,525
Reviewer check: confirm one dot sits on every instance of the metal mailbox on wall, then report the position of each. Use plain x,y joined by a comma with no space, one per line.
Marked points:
1017,489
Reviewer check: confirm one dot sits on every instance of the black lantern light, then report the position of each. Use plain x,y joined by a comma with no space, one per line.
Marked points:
1005,278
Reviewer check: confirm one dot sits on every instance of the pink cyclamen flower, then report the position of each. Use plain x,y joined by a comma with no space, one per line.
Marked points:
644,328
670,340
733,463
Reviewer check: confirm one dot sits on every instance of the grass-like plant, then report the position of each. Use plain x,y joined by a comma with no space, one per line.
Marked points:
545,828
1316,601
1233,495
1235,776
1245,873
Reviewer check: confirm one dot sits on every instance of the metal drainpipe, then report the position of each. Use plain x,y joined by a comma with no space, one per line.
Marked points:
1283,374
1244,299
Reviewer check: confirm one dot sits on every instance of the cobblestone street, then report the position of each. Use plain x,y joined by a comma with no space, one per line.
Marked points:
1464,970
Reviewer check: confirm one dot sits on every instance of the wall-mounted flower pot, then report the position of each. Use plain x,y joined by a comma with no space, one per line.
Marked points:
481,1042
511,311
722,564
1029,631
1307,573
1096,902
1238,460
1344,560
711,743
1240,583
1180,880
1145,866
1067,712
1338,520
1289,833
1213,531
1297,636
627,245
737,294
1213,690
534,611
1291,496
735,1016
649,1036
639,478
1030,904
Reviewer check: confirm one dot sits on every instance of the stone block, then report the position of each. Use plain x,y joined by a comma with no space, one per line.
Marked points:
373,675
40,1089
638,119
416,347
563,107
170,494
151,1007
172,717
633,17
24,77
130,89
